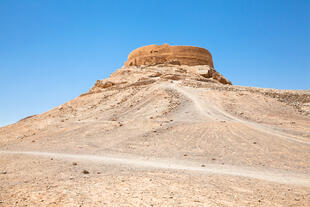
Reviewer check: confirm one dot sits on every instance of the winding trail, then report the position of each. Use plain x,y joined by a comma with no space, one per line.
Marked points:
213,112
178,165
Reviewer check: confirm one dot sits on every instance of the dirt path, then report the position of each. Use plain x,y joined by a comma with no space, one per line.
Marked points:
272,176
200,106
212,112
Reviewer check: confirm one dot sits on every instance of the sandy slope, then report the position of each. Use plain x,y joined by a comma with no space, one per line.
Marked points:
162,136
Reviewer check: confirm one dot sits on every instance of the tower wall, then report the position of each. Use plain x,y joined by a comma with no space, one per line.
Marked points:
158,54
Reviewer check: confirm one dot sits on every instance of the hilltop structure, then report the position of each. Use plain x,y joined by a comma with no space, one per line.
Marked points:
195,60
179,55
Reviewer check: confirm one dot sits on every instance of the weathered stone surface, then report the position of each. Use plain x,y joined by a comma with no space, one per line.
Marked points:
177,55
207,72
104,84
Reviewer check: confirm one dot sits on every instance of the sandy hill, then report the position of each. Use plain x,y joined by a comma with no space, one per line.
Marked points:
162,135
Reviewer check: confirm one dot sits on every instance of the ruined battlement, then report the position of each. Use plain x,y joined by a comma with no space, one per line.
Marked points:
178,55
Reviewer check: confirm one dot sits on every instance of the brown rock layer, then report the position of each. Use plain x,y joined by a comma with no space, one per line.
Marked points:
179,55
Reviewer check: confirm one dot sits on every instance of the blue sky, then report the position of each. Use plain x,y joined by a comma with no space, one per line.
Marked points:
53,50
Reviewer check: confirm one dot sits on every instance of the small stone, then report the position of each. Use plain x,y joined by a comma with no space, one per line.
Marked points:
185,155
33,141
203,165
71,178
213,159
74,163
98,172
85,172
254,142
4,172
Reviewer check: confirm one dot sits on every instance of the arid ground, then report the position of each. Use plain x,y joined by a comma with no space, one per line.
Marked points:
161,136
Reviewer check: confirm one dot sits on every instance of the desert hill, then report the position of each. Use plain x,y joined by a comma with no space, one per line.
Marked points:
162,131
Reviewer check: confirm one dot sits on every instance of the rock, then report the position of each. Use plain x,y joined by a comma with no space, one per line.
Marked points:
85,172
20,137
154,75
103,84
74,163
203,165
204,71
143,82
171,77
3,172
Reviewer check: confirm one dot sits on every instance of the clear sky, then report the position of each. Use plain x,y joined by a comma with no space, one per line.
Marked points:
53,50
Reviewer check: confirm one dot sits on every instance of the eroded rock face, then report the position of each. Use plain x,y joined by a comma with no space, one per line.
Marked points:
178,55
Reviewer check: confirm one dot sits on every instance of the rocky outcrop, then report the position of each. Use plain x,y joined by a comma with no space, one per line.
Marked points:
177,55
207,72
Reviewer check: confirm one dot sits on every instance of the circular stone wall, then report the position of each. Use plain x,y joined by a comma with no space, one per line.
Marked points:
158,54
